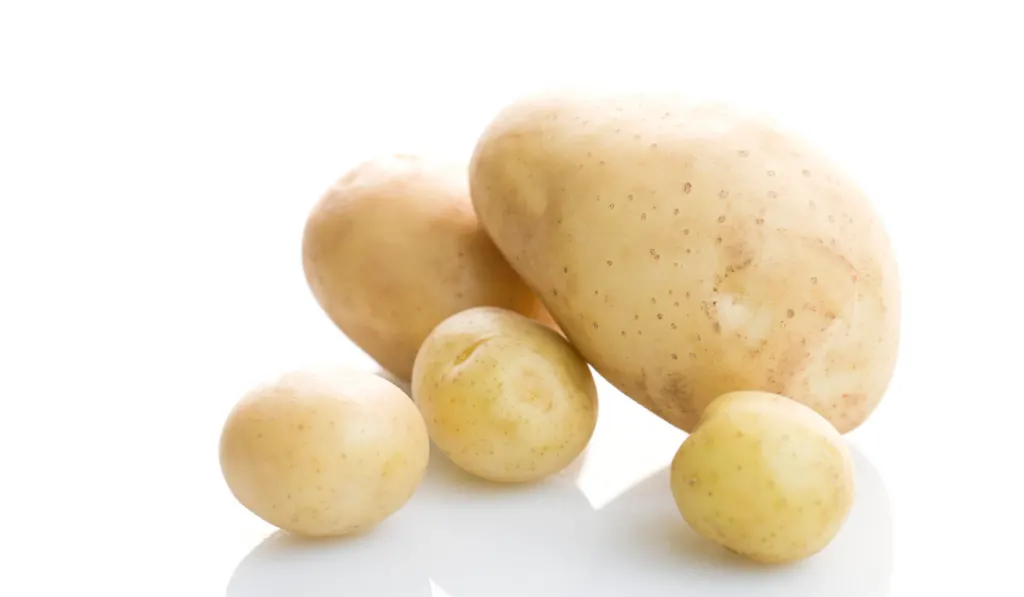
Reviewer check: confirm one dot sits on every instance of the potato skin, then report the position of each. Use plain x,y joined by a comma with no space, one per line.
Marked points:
324,452
764,476
688,248
394,247
503,396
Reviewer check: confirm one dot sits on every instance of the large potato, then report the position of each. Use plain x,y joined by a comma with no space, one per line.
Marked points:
324,452
504,397
689,248
765,476
393,248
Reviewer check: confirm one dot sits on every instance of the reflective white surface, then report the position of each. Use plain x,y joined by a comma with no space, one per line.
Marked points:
157,165
607,526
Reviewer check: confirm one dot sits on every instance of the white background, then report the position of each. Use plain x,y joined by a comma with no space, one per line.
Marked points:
157,162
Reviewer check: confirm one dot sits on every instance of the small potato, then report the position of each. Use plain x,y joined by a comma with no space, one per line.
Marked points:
765,476
394,247
323,453
504,397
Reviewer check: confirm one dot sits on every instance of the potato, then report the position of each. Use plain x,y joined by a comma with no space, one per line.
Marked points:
504,397
765,476
688,248
324,452
393,248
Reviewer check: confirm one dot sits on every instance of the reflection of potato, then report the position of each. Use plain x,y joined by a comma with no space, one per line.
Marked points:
688,249
394,247
468,537
646,557
505,397
765,476
287,566
511,541
324,452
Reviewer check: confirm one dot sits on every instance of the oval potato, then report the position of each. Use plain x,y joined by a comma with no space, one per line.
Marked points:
324,452
765,476
689,248
394,247
503,396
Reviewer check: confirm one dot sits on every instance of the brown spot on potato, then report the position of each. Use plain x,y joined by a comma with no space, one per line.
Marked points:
686,188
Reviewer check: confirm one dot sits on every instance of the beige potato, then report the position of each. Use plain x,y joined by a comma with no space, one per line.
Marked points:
324,452
688,248
394,247
504,397
764,476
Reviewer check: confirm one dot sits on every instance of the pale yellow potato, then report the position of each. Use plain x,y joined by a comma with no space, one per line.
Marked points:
504,397
688,248
764,476
394,247
324,452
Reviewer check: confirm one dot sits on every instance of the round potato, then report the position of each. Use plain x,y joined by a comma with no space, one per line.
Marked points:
503,396
764,476
689,248
394,247
326,452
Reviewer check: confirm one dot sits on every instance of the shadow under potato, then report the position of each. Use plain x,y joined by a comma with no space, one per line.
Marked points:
463,537
399,382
